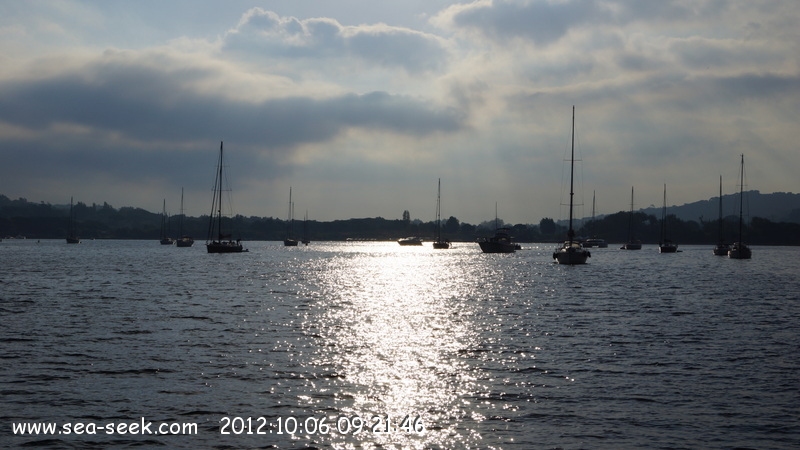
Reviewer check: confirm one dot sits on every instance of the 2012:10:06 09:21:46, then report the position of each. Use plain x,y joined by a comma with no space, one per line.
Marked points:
322,425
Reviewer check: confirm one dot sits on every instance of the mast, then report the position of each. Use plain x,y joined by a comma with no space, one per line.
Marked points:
180,225
219,205
630,219
439,211
720,209
741,201
571,232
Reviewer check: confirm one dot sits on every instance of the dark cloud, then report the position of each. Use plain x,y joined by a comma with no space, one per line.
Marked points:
147,104
266,34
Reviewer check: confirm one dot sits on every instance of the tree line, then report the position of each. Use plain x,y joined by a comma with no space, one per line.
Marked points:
45,221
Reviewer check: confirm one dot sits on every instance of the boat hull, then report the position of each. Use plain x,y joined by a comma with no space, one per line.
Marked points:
290,242
740,251
571,258
73,240
721,250
167,241
441,244
224,247
497,247
668,248
631,246
184,242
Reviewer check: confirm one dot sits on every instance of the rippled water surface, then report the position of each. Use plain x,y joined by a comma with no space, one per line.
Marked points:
634,350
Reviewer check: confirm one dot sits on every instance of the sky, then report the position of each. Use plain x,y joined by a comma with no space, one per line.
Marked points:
362,106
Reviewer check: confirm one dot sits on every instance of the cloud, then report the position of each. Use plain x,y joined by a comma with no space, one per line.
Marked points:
265,34
145,97
542,22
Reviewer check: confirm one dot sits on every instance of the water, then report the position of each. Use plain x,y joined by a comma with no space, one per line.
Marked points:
634,350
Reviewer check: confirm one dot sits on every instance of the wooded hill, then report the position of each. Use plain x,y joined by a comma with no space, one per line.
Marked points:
45,221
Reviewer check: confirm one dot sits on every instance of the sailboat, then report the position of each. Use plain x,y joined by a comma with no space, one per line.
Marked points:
165,240
594,241
305,239
722,248
217,241
184,240
439,242
71,237
665,245
290,241
501,242
571,252
739,250
631,244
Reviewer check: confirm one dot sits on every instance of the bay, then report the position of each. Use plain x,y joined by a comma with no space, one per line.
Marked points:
633,350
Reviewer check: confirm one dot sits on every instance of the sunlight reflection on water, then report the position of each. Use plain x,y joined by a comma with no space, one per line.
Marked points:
395,322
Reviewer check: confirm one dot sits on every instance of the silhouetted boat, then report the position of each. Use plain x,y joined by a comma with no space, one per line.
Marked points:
665,245
594,241
289,240
72,238
501,242
184,240
632,244
439,242
740,250
571,252
413,240
217,241
165,240
305,240
722,247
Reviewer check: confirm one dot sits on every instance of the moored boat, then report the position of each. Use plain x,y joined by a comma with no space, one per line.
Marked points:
439,243
740,250
571,252
665,245
218,241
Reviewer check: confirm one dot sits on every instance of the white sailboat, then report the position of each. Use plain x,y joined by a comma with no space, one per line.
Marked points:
571,252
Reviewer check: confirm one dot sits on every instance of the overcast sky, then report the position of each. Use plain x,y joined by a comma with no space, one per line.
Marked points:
360,106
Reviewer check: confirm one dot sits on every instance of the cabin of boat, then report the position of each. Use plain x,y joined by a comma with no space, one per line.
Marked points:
595,242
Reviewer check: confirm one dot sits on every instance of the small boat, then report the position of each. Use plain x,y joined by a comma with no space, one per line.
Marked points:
184,240
571,252
594,241
665,245
501,242
410,241
439,243
218,241
632,244
722,248
305,239
72,238
165,240
289,240
740,250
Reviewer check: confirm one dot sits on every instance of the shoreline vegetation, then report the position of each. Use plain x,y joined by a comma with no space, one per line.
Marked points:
21,218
